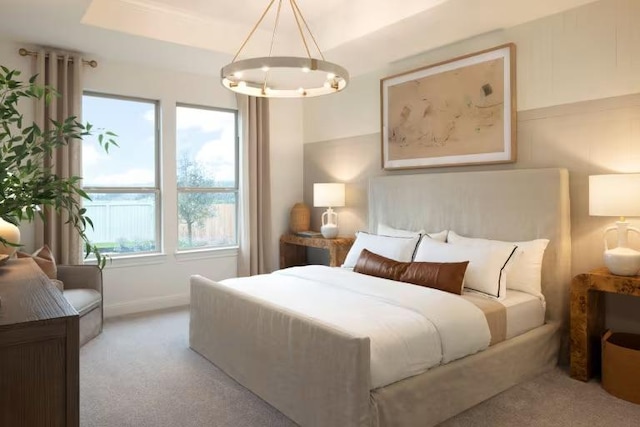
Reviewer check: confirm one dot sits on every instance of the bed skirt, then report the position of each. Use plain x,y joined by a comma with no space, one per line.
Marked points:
440,393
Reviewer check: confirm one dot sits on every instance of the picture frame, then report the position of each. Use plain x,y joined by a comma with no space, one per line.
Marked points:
457,112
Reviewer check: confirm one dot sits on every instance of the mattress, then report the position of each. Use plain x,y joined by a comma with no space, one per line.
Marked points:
524,312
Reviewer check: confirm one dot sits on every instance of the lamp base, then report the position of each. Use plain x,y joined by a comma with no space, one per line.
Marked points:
11,234
329,231
622,261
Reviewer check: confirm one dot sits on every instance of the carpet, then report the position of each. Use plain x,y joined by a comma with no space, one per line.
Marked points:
140,372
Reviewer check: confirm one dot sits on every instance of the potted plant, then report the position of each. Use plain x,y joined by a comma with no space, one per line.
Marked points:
28,182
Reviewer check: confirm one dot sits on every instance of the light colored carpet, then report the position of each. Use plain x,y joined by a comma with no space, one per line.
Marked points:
140,372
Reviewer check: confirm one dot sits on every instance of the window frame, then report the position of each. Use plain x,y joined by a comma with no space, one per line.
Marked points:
213,190
156,190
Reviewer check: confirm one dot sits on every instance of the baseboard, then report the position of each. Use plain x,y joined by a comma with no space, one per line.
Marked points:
147,304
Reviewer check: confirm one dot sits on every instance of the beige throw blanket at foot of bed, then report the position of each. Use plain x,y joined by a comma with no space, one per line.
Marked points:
494,312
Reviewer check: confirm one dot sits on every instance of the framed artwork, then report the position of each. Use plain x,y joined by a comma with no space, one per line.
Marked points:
457,112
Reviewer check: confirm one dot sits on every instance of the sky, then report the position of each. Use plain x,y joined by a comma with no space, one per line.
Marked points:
207,136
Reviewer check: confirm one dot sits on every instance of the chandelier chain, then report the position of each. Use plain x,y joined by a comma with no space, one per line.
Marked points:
253,30
296,11
275,27
273,39
295,4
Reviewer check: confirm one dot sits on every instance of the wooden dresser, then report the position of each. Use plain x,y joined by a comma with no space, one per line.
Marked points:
39,350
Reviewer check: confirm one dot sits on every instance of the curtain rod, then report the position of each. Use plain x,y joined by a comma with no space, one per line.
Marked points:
24,52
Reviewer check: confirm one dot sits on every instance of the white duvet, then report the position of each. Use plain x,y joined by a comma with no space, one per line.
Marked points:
411,328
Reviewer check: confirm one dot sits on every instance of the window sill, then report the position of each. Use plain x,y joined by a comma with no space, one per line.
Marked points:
197,254
132,260
161,258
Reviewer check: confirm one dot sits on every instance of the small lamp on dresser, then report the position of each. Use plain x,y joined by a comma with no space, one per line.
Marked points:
329,195
617,195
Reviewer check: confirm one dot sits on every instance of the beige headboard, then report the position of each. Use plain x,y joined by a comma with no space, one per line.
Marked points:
512,205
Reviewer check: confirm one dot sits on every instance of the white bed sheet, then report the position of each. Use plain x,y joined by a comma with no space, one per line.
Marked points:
411,328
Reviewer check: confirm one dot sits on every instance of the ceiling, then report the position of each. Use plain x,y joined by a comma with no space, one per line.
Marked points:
202,35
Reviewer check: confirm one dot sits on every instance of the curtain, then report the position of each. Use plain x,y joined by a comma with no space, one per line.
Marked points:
255,181
62,72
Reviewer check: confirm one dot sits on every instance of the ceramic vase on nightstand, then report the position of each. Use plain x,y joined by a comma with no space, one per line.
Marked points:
10,233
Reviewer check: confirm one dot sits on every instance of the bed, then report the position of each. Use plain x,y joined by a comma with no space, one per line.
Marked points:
321,375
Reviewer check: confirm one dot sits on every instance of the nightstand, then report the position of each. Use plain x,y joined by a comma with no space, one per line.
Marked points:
293,249
587,316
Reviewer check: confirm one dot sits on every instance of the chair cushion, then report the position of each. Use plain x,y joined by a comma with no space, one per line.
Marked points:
83,300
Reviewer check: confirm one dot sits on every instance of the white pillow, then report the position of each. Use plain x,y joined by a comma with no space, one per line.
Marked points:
397,248
440,236
525,273
486,272
385,230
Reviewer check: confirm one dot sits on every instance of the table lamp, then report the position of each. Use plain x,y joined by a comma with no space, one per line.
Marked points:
328,195
617,195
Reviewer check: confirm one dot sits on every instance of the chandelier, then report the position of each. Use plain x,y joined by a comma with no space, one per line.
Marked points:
284,76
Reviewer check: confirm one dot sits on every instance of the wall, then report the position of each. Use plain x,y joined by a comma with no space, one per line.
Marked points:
151,282
578,73
286,166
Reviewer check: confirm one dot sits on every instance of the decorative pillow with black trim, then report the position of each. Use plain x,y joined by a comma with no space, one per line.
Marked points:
487,269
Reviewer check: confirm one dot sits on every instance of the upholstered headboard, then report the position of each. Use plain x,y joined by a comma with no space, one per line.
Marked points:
511,205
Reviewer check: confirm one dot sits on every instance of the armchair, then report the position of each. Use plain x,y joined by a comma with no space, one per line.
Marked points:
83,290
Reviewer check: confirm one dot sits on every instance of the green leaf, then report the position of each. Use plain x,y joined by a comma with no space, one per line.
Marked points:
28,181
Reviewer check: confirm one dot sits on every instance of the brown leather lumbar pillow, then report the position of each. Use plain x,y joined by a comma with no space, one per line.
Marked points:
445,276
376,265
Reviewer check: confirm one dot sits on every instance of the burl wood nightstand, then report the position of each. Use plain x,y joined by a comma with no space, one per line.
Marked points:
293,249
587,316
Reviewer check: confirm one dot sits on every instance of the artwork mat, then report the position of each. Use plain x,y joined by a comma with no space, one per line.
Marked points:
508,152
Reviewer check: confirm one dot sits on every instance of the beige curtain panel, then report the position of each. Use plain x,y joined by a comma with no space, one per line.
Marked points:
255,208
63,72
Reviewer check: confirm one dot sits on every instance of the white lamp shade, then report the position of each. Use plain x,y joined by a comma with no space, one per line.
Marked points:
614,195
328,195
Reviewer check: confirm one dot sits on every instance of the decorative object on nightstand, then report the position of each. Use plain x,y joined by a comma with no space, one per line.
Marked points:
299,218
329,195
10,233
617,195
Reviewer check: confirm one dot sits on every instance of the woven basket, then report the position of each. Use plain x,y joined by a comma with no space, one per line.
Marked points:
299,218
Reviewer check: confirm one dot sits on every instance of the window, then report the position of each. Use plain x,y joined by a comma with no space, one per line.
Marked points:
123,184
207,176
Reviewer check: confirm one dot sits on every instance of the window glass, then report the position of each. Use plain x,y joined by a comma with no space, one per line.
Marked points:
134,163
123,183
207,170
124,222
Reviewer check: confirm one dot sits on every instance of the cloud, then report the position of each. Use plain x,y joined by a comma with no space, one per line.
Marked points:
150,115
204,120
218,156
129,178
90,155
